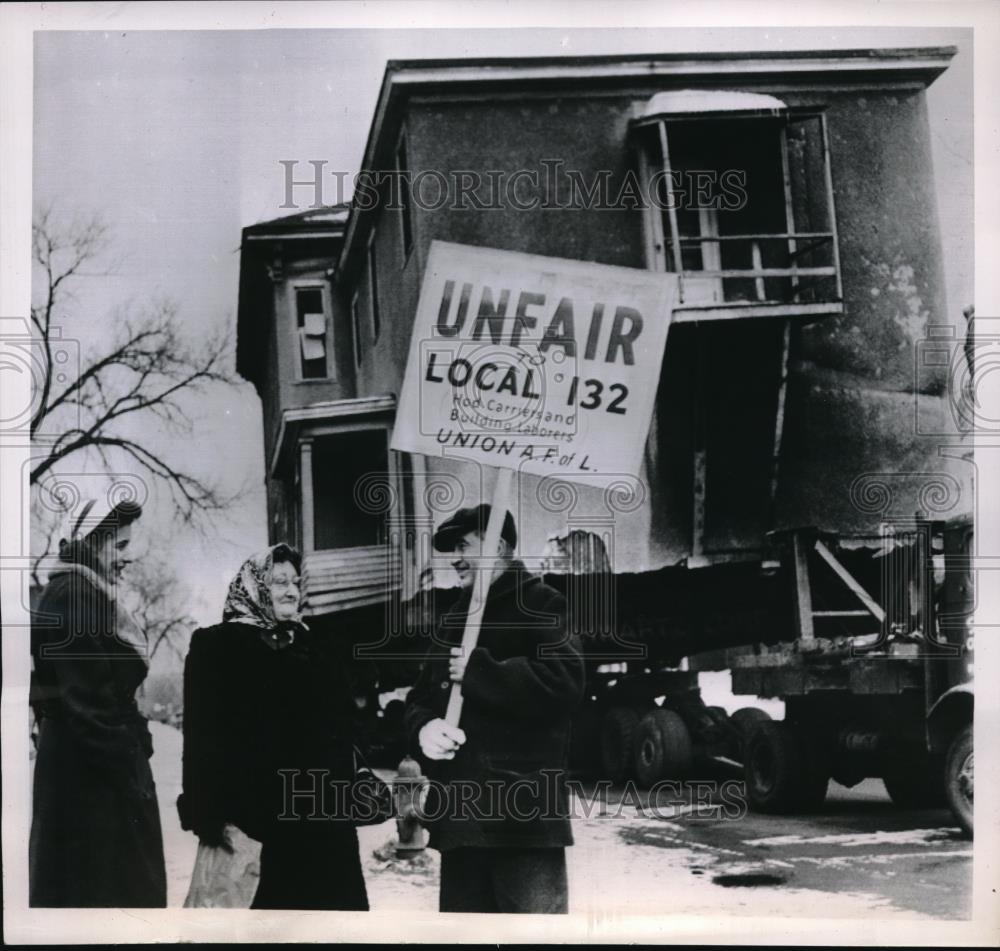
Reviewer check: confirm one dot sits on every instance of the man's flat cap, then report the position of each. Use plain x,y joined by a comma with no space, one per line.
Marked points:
472,519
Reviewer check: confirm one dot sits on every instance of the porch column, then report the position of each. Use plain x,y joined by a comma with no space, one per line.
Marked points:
306,488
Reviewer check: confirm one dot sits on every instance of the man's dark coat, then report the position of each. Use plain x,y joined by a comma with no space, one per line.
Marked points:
504,788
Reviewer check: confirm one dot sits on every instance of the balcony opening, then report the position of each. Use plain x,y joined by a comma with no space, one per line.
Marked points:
339,464
741,200
714,440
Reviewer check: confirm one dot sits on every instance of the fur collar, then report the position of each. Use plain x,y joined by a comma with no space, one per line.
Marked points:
126,629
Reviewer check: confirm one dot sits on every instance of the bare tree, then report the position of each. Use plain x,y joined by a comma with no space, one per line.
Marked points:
159,605
147,372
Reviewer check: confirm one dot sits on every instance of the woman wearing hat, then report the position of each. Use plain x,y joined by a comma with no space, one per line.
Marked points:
269,722
95,833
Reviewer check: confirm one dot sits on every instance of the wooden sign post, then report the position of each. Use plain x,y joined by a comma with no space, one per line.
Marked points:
481,586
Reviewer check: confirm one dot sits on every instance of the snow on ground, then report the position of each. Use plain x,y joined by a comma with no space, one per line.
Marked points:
861,840
179,847
621,864
625,865
404,884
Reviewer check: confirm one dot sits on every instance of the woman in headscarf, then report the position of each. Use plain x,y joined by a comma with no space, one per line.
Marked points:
95,832
265,702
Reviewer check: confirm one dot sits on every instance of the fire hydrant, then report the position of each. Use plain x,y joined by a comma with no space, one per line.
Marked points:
412,837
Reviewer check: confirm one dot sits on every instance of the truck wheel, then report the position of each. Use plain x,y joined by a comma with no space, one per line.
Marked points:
663,749
917,785
958,778
745,721
784,773
618,743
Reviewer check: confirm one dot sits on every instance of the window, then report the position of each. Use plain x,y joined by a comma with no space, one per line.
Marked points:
405,224
356,324
373,287
743,207
312,325
339,463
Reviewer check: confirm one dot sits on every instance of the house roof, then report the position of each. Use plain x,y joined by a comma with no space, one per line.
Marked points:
313,232
903,66
327,220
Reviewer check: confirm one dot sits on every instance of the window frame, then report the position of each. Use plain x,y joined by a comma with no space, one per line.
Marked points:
309,284
660,243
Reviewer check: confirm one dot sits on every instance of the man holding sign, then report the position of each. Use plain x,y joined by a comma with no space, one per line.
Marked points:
543,367
498,812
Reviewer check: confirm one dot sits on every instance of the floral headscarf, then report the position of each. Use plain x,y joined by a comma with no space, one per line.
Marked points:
249,598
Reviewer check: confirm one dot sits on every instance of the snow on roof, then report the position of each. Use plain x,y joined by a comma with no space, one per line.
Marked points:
687,101
331,214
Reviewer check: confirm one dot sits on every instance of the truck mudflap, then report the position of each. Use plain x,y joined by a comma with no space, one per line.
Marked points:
949,713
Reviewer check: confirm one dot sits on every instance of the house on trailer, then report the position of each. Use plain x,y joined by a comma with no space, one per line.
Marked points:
791,193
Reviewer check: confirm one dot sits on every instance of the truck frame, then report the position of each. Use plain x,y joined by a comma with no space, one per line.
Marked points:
866,639
888,695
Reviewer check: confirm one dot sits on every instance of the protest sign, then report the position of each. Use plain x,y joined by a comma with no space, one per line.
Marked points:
538,364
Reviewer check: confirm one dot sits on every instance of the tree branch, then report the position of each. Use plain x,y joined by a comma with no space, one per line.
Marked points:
147,371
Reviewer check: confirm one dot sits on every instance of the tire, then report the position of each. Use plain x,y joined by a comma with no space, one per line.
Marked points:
745,721
917,785
618,731
958,778
663,749
784,771
714,728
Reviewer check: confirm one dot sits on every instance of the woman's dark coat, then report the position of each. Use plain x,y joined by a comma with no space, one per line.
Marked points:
521,685
95,833
256,721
